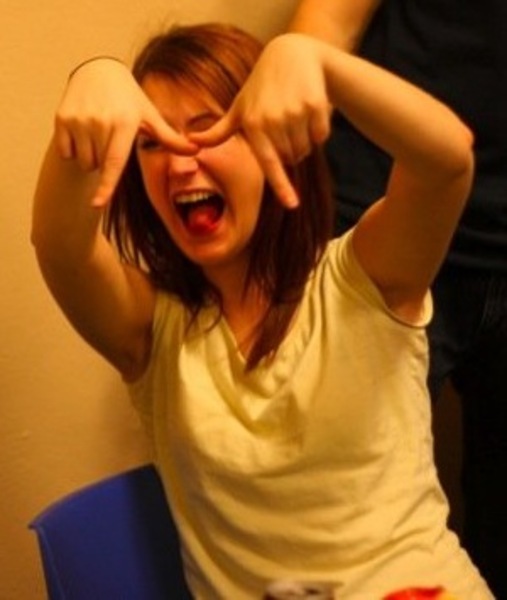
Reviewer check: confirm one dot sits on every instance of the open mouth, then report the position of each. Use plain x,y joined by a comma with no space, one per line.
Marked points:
200,211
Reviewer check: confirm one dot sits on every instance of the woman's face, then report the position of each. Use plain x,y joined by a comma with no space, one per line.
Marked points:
210,201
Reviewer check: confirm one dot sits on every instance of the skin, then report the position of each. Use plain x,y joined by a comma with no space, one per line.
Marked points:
338,22
283,122
98,135
400,242
229,169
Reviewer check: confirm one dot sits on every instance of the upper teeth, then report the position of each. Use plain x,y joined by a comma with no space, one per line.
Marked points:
192,197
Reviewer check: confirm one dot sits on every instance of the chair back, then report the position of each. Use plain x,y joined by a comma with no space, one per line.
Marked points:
112,540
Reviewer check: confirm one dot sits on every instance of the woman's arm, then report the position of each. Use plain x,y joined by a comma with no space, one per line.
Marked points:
401,240
101,112
400,244
341,23
109,303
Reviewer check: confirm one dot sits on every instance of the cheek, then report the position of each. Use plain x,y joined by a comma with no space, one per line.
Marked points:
236,165
234,154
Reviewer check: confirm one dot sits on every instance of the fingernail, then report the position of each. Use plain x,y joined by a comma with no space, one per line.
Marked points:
99,201
291,201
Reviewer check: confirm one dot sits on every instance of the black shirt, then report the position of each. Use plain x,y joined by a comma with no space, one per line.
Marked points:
456,50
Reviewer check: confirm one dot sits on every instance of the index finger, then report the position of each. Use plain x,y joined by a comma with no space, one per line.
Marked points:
118,150
112,164
155,125
274,170
219,132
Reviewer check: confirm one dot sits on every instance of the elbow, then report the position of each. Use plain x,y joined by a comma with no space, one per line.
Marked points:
37,237
466,163
460,169
462,160
39,240
468,149
44,244
454,168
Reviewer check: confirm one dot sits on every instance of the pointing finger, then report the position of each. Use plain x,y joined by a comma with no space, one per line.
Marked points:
319,125
280,182
157,126
274,170
217,133
112,164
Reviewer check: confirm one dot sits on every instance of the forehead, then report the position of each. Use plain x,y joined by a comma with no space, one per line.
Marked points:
177,100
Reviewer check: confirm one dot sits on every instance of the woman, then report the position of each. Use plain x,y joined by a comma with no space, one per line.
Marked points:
280,375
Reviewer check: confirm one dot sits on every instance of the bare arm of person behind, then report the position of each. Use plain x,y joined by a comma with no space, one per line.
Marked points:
341,23
110,304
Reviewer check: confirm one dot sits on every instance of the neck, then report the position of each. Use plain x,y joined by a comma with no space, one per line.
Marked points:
230,280
243,306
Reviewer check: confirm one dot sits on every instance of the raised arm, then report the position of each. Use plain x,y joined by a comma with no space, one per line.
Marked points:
402,240
341,23
110,304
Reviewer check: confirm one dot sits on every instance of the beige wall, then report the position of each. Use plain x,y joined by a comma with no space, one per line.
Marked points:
64,419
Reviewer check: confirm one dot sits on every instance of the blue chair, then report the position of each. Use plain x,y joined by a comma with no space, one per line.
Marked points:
112,540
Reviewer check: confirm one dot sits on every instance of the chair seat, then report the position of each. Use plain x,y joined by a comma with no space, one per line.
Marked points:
112,540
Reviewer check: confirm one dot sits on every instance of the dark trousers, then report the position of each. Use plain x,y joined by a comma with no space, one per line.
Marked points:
468,345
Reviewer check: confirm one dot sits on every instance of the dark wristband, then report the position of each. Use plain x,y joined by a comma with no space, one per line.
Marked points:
89,60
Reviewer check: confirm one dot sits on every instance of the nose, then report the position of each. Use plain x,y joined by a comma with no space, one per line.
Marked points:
181,165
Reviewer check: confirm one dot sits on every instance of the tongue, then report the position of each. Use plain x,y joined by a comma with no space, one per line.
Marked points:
201,219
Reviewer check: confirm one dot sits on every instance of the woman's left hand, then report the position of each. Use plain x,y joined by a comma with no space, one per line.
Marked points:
282,110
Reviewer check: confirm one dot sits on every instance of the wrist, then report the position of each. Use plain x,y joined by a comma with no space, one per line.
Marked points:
90,60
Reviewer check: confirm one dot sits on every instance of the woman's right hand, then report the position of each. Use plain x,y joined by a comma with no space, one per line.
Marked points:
102,110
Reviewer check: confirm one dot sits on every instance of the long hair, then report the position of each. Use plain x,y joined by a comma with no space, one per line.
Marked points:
286,244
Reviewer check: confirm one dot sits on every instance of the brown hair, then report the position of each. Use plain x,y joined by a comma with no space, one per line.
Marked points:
286,244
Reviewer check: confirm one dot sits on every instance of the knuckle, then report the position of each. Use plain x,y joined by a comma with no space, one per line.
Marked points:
254,121
86,164
114,163
63,119
273,166
320,133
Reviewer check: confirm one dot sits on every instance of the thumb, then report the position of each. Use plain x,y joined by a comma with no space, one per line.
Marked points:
217,133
